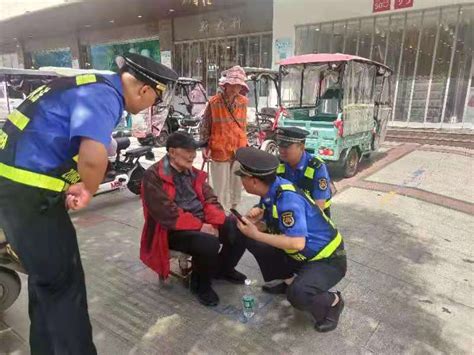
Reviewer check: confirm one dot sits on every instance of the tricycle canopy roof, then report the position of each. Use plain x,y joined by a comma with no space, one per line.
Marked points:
257,73
26,72
185,80
73,72
328,58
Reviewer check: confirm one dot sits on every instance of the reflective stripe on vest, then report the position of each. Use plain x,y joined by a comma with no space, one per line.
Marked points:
307,181
59,179
33,179
327,250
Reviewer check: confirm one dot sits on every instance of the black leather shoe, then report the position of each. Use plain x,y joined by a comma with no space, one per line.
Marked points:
233,276
278,289
332,318
208,297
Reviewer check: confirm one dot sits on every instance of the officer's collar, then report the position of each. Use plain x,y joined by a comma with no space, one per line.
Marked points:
273,188
302,163
116,83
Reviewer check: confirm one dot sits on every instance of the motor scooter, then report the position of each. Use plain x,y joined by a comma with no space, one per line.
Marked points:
125,171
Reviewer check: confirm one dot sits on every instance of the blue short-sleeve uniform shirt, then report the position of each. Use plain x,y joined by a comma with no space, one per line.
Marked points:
297,217
321,180
64,117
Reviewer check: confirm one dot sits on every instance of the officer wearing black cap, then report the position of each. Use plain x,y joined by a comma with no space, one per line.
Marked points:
53,156
296,241
306,171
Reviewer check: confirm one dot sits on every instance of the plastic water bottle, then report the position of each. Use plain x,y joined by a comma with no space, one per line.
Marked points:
248,300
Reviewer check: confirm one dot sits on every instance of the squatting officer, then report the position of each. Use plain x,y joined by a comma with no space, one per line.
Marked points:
297,242
52,158
306,171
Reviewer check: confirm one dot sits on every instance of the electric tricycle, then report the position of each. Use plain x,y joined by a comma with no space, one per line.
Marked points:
344,101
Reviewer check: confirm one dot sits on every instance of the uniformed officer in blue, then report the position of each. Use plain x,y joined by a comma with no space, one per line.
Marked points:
293,240
52,158
306,171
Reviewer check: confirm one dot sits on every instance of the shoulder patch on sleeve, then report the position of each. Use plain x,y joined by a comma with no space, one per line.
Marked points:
288,219
323,184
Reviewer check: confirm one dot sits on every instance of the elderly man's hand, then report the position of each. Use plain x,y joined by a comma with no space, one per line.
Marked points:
209,229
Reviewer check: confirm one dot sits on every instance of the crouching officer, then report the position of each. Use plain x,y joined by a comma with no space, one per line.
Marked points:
298,238
306,171
53,157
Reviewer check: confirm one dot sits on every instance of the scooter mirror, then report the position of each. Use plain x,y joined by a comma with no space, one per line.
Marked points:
150,156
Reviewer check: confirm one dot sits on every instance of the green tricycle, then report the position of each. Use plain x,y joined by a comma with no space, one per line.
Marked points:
344,101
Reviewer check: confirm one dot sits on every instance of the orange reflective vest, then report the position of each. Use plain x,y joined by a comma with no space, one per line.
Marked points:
227,133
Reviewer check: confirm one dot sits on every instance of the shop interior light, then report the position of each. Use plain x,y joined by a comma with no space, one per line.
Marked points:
171,10
112,21
139,16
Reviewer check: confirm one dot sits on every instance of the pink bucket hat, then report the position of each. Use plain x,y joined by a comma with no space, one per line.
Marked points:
234,76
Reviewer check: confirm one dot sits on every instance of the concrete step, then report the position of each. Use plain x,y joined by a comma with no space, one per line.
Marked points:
456,138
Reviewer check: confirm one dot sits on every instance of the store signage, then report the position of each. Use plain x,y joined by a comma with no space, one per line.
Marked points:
284,48
382,5
197,2
402,4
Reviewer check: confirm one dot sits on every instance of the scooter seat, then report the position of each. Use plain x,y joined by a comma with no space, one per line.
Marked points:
122,143
137,151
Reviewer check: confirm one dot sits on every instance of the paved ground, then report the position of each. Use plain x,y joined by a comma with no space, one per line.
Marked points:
407,221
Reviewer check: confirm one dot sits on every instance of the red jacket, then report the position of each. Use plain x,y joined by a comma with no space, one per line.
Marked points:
162,213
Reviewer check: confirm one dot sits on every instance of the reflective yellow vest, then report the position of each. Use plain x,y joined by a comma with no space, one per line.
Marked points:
325,252
59,179
306,183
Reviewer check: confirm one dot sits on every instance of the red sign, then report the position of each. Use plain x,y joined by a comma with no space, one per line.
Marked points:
402,4
382,5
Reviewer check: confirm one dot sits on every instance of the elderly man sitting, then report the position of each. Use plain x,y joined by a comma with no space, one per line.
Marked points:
182,213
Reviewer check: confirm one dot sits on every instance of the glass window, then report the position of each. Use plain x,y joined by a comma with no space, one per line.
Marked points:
466,42
300,39
425,60
413,27
195,63
59,58
243,51
338,37
352,37
266,61
103,55
202,61
178,59
443,57
325,37
254,51
212,68
186,61
365,38
227,53
461,67
397,24
380,39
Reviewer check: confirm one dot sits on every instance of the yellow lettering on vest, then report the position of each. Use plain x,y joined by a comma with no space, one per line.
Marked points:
3,139
72,177
35,95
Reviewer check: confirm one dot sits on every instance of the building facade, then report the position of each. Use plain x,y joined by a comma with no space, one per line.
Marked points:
429,44
430,48
207,43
